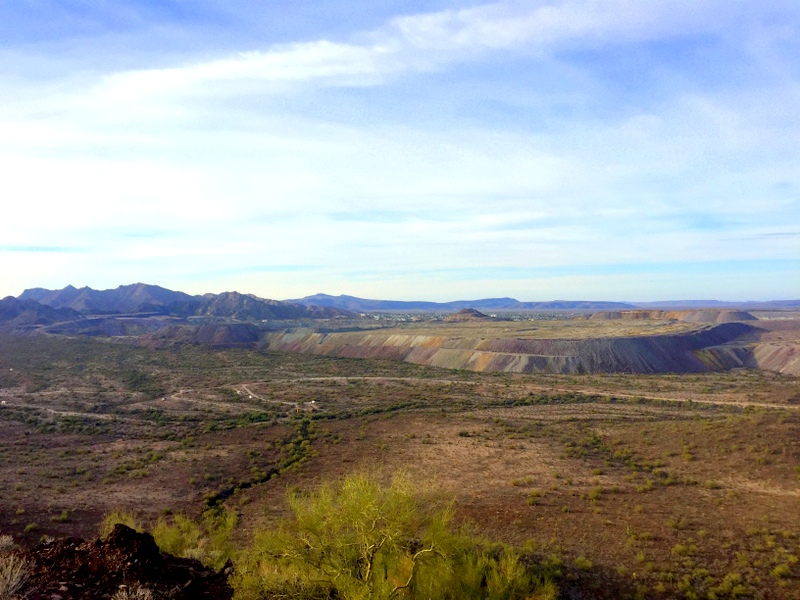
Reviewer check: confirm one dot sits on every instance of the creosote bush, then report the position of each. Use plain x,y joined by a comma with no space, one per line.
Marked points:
359,539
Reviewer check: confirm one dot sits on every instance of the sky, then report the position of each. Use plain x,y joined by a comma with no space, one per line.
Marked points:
633,150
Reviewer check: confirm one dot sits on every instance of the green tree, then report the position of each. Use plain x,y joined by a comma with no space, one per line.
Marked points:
361,540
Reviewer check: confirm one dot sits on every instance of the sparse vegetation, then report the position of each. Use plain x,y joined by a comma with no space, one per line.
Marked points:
14,572
209,541
135,592
629,446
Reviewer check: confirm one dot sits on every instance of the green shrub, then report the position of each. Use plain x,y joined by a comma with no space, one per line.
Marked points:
533,496
583,563
208,541
359,539
62,518
781,571
179,537
118,517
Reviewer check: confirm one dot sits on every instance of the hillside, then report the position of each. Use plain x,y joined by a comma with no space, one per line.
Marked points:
241,307
468,314
594,475
217,335
16,313
703,350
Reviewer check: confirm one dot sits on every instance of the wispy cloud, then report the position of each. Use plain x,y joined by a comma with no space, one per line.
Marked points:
424,42
38,249
520,137
779,234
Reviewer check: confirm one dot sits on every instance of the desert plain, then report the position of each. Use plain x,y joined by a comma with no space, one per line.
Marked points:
639,479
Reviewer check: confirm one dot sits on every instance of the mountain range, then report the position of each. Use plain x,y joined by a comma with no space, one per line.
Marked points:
137,297
39,306
365,305
746,305
140,298
510,304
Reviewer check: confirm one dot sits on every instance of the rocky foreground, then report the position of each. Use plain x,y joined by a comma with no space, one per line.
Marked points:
125,565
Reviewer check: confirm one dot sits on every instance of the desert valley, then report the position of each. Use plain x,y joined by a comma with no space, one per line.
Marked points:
620,451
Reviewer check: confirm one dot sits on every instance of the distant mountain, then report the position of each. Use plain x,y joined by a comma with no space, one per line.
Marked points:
748,305
364,305
245,307
574,305
125,299
19,313
142,298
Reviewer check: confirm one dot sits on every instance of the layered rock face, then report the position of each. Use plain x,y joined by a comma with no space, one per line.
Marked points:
711,315
710,348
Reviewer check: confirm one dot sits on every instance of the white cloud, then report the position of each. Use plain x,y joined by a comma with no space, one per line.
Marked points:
239,185
558,24
424,42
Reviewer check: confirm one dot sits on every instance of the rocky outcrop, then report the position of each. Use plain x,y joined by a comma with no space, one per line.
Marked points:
72,569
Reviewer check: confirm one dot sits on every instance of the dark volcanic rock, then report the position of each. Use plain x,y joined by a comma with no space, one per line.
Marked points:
72,569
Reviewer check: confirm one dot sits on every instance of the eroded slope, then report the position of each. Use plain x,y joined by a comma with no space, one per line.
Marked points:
698,350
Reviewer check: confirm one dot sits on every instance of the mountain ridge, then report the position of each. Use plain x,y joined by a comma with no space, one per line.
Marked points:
22,313
355,303
122,299
139,298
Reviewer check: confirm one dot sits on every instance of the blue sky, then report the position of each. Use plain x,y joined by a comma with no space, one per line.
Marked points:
582,149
